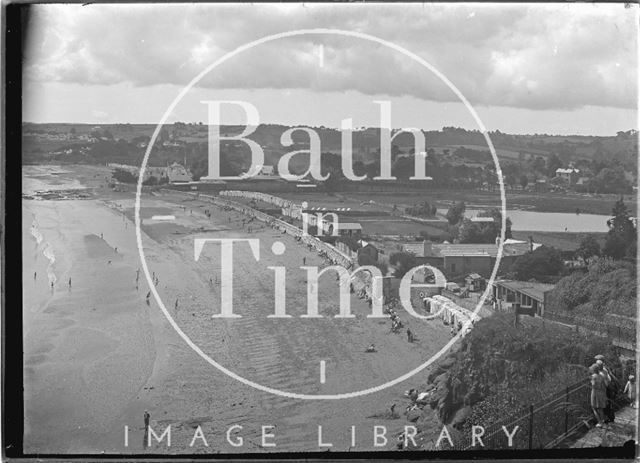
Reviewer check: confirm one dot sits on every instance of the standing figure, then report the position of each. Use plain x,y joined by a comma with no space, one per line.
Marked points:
630,390
611,383
598,393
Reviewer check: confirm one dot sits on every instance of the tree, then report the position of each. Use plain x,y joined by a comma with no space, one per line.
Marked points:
372,169
510,180
124,176
539,264
403,168
456,212
609,180
359,168
553,163
422,210
402,263
484,232
621,239
524,181
589,247
470,232
538,164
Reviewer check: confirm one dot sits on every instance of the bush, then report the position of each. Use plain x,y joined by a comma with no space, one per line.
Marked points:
124,176
607,286
422,210
402,262
539,264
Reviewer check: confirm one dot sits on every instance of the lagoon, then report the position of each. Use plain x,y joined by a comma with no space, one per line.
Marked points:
551,221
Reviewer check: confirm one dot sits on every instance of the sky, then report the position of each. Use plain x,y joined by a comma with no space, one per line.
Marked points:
554,68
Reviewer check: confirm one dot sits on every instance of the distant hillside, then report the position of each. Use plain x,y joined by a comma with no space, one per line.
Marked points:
531,156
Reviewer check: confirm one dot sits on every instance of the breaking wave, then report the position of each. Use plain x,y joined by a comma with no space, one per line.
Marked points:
47,251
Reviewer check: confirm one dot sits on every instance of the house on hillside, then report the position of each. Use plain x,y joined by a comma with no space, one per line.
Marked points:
177,173
569,175
352,229
267,170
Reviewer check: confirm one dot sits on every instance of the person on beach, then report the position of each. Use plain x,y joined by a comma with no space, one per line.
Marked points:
148,296
69,282
409,335
147,417
116,249
630,390
52,286
176,305
35,275
304,261
598,393
100,235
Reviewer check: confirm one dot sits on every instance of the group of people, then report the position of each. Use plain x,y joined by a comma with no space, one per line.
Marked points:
604,387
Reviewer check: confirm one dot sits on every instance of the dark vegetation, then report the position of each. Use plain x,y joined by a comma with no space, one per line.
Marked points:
607,286
499,368
462,160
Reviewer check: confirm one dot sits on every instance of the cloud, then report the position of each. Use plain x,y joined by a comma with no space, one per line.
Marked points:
538,57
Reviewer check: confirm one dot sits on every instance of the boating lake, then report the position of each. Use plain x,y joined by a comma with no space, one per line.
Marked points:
551,221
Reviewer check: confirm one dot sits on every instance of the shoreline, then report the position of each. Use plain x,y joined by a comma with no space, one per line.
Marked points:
173,383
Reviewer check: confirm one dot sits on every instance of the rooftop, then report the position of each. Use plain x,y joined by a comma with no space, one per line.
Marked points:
529,288
347,226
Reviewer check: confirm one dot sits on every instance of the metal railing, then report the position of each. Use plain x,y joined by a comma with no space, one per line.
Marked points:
540,425
626,334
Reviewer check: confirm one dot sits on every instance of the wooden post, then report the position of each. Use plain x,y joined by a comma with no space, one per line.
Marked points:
530,427
566,410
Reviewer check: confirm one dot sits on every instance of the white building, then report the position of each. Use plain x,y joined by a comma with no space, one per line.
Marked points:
177,173
267,170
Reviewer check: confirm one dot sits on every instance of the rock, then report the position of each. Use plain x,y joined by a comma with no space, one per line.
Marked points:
414,415
460,416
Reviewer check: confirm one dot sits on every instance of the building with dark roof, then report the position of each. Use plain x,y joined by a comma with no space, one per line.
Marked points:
527,294
462,259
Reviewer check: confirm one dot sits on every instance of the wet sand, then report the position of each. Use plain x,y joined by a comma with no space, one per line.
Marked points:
97,356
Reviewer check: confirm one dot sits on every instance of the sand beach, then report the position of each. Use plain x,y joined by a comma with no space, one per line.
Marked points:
97,356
